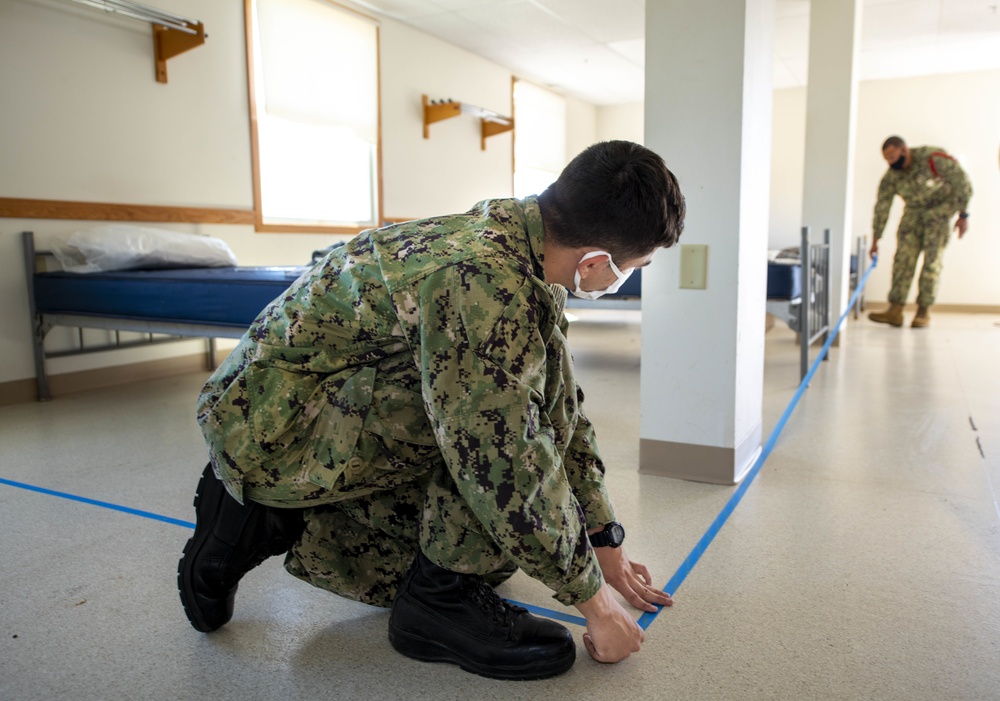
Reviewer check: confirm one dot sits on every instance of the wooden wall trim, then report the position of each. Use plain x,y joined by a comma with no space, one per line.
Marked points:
21,391
14,208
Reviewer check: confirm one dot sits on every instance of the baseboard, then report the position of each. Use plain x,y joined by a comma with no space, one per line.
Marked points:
20,391
946,308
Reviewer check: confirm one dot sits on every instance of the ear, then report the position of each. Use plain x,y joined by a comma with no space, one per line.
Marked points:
592,266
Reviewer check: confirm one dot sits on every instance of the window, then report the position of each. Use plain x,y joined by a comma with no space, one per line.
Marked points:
540,139
314,115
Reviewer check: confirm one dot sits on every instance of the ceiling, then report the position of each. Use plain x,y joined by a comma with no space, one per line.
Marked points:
595,49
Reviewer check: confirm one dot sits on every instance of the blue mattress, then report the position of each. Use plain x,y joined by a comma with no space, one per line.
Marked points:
218,296
784,281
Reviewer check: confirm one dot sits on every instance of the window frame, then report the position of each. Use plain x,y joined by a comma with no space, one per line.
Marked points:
259,225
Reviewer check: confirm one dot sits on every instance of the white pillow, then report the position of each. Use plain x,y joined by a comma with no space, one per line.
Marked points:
128,247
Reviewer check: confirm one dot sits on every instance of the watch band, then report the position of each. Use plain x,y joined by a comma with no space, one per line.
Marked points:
612,536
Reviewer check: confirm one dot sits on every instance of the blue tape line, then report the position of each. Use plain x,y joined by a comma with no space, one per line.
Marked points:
549,613
94,502
646,619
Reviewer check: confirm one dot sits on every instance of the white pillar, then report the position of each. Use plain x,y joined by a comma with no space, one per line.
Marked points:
831,108
708,103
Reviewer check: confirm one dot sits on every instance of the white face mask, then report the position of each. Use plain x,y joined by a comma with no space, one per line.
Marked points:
613,287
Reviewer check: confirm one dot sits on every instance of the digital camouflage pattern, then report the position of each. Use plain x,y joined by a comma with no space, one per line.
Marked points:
932,196
414,389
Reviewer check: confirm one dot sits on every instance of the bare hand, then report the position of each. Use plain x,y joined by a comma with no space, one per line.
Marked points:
874,250
630,579
612,635
961,226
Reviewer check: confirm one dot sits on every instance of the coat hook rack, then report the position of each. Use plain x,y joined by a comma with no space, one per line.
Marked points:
172,34
491,123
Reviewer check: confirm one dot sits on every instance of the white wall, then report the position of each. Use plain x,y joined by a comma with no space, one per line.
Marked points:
83,119
788,153
581,126
959,112
448,172
625,122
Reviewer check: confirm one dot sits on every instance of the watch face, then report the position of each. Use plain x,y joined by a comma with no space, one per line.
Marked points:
616,534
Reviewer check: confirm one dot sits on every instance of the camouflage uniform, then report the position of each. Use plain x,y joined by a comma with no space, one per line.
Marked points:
934,188
413,390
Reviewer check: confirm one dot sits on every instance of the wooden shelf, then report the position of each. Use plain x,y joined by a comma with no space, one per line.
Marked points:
491,123
172,34
168,42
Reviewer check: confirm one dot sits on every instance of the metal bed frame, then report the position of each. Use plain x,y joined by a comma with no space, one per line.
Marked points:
813,315
156,332
809,313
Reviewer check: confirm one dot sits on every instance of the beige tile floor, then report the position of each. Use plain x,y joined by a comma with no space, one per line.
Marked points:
862,563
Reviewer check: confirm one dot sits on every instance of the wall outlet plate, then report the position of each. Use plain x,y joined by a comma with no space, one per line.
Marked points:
694,266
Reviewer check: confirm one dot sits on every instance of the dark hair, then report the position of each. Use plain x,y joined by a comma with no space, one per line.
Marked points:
617,195
893,141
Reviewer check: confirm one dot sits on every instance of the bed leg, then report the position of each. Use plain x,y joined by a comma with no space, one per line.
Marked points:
825,298
804,331
38,329
210,354
41,377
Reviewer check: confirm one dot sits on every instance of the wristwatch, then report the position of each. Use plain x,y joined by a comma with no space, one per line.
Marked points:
963,215
612,536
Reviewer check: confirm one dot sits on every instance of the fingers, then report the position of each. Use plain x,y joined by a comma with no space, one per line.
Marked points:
634,586
635,637
591,648
640,595
598,655
642,571
649,592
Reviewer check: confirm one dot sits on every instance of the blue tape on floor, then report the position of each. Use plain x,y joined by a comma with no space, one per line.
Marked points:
549,613
646,619
94,502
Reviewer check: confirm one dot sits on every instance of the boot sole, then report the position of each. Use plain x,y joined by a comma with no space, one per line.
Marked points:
185,566
425,650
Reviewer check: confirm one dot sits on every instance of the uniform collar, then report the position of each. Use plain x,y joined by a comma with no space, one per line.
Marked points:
536,242
536,234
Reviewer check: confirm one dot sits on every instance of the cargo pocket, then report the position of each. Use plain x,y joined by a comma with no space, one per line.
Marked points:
397,442
308,424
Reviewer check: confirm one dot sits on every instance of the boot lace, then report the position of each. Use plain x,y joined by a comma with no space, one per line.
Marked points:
489,602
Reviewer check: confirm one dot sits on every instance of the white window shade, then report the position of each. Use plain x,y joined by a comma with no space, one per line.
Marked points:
315,76
540,139
540,116
320,65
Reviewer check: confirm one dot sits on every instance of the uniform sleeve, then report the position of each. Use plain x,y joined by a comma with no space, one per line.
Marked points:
484,382
950,170
585,471
886,191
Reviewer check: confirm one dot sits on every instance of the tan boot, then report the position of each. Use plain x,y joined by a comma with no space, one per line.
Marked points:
923,318
892,316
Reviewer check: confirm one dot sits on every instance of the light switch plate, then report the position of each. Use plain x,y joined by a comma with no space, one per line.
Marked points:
694,266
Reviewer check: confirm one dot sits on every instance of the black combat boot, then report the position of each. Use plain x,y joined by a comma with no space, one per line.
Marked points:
444,616
230,539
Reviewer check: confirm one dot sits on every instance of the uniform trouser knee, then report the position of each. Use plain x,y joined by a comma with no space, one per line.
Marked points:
361,547
928,233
